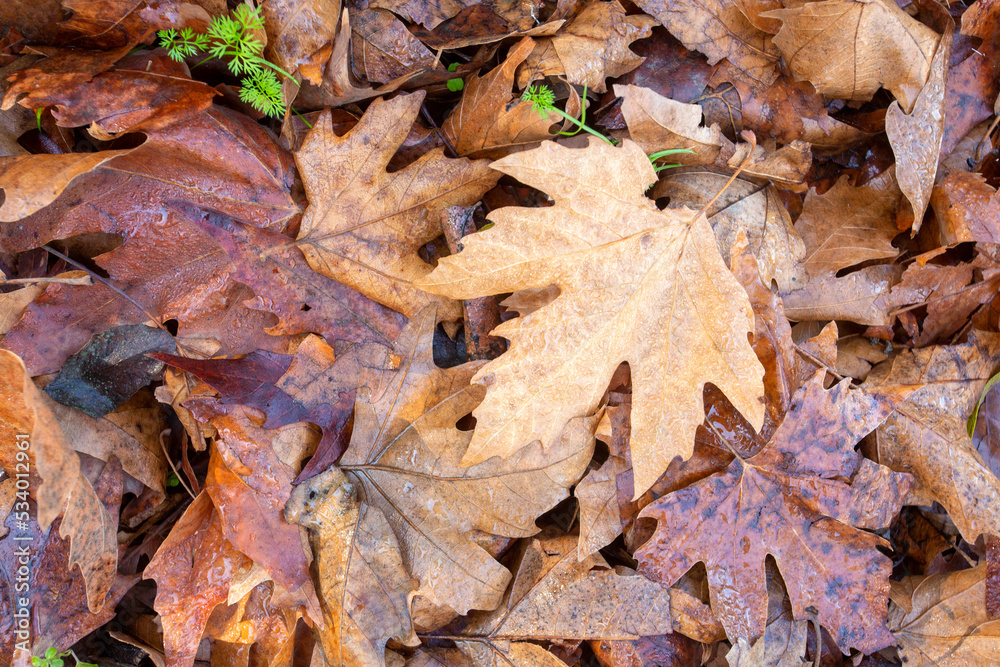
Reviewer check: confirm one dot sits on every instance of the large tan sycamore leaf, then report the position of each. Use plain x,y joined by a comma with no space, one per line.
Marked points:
637,284
888,48
405,452
364,225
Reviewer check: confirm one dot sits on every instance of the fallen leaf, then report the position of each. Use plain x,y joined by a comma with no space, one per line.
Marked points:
926,436
58,486
916,138
428,13
857,297
110,369
32,182
941,620
556,595
653,271
594,46
61,69
745,207
893,50
489,119
848,225
406,453
363,585
720,30
383,49
788,501
192,569
657,123
965,208
300,35
363,225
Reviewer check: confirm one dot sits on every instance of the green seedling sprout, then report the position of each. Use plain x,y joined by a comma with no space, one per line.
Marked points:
53,658
544,102
232,38
454,85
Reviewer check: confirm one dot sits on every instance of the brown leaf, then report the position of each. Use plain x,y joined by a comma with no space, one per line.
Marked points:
363,225
57,484
786,501
428,13
167,265
653,271
300,35
927,437
891,49
383,49
966,208
556,595
848,225
857,297
63,68
916,138
192,569
745,207
941,620
720,30
406,453
363,585
32,182
249,481
657,123
592,47
490,119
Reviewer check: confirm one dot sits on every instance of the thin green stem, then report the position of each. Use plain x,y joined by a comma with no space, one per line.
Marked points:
610,142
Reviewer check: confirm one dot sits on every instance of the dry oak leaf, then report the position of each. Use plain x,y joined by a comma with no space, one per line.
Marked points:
405,453
363,226
747,207
848,225
927,437
58,485
658,123
428,13
860,297
888,48
789,501
916,138
593,47
556,595
364,588
720,30
942,620
488,119
637,284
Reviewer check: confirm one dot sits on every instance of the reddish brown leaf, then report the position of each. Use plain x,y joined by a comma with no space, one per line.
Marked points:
786,501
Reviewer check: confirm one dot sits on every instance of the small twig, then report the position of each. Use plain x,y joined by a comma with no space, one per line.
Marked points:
752,140
818,362
80,281
430,120
180,479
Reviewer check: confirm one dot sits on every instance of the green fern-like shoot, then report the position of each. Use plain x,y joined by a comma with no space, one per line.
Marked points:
544,101
53,658
232,38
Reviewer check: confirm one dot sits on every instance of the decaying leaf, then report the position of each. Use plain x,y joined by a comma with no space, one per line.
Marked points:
942,620
363,225
594,46
406,454
300,34
363,585
889,48
927,437
916,138
489,118
848,225
965,208
657,123
788,501
719,29
657,272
